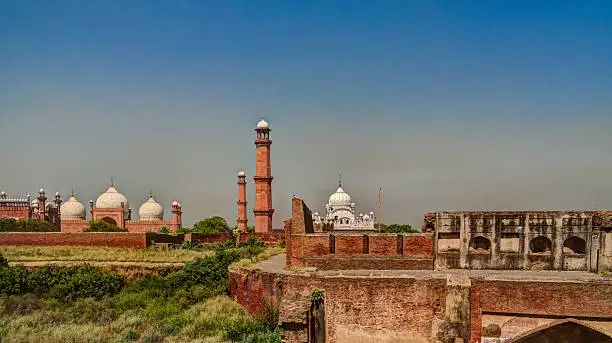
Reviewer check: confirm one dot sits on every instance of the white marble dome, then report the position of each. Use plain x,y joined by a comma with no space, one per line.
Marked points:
241,173
262,124
151,210
112,199
340,198
72,209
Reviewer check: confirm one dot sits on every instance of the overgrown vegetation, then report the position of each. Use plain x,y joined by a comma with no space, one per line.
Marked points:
102,226
99,254
85,303
214,224
20,225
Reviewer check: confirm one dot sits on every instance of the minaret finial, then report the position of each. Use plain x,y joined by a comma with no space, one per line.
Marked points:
150,193
339,180
72,192
112,182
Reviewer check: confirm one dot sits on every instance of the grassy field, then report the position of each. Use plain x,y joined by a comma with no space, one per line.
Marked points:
94,254
90,304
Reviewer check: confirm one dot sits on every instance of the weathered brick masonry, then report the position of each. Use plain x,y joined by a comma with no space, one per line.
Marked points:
95,239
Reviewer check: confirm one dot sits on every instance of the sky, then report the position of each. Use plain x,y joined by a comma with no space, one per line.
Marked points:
445,105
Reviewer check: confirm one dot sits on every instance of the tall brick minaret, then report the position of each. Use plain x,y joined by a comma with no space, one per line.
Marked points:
241,221
263,179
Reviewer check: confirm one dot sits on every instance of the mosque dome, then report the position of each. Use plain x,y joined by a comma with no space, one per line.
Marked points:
241,173
72,209
340,198
112,199
151,210
262,124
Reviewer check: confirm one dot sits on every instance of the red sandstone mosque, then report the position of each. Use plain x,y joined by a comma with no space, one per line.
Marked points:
111,207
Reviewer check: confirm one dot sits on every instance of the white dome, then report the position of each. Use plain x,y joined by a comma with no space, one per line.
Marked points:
241,173
262,124
151,210
112,199
366,217
340,198
72,209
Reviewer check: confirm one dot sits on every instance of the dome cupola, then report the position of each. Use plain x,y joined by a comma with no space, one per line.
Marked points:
112,199
340,198
151,210
72,209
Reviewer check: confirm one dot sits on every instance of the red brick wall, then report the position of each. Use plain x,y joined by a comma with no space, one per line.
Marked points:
418,245
383,304
74,225
211,237
268,237
15,212
349,245
575,299
99,239
146,225
383,245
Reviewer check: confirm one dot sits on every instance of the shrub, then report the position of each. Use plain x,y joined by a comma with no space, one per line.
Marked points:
252,242
214,224
20,304
268,315
70,283
262,337
3,261
13,280
316,295
164,229
183,231
191,245
32,225
102,226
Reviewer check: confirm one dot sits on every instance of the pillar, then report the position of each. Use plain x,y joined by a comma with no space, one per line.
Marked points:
557,242
525,245
241,221
42,206
464,244
263,179
177,216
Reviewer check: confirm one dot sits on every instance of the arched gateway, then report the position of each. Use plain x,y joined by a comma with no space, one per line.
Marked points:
563,331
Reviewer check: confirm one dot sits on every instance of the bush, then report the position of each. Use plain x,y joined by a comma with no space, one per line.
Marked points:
397,228
183,231
3,261
13,280
252,242
32,225
214,224
102,226
164,229
191,245
262,337
70,283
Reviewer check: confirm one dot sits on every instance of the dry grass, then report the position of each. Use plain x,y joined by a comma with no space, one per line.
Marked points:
203,323
95,254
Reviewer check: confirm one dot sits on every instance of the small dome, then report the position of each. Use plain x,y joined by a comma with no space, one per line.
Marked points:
366,217
262,124
241,173
72,209
340,198
175,203
151,210
112,199
35,201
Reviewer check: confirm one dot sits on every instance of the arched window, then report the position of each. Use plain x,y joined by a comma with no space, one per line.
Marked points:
109,220
574,245
540,245
480,244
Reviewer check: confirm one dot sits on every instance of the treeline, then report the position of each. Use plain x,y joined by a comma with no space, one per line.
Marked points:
20,225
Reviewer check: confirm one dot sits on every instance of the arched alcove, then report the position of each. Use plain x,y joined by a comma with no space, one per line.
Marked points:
574,245
480,244
540,245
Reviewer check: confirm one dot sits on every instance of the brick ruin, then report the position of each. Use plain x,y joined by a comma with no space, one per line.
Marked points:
406,288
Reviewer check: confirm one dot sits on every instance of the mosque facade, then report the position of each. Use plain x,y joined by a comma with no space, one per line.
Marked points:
71,215
340,214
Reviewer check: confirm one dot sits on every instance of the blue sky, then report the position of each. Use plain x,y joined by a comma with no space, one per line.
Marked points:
445,104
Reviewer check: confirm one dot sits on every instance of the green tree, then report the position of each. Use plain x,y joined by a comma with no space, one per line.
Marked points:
214,224
102,226
397,228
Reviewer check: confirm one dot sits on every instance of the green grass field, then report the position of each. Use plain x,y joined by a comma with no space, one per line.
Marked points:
94,254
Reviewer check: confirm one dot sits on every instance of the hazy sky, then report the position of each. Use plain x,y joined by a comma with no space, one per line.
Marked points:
446,105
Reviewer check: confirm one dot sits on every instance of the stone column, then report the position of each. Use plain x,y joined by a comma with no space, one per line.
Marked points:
525,251
464,241
495,244
557,244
